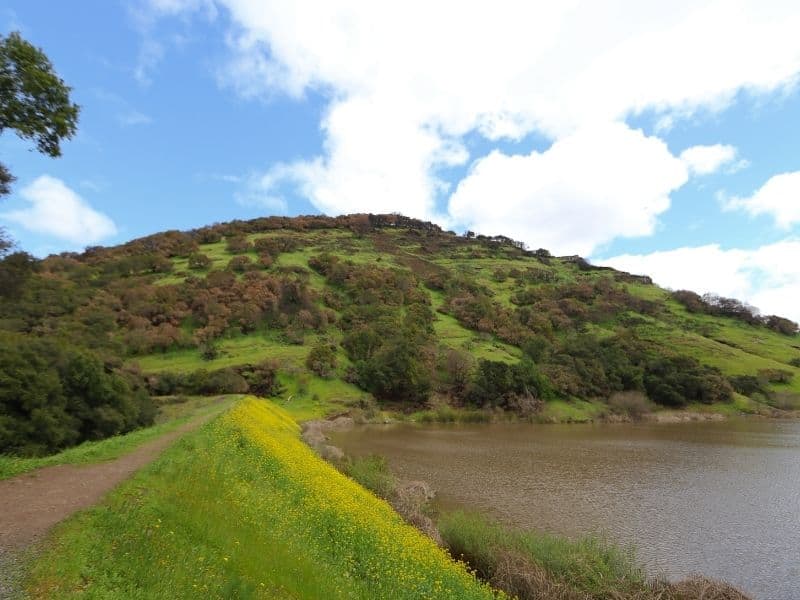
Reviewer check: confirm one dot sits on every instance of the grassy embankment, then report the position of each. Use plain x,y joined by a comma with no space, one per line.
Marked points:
243,509
170,417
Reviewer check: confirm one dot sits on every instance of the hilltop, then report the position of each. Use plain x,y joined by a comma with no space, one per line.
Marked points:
364,313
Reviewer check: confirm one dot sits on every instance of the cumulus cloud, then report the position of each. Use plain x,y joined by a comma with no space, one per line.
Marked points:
406,82
767,277
586,189
704,160
779,198
58,211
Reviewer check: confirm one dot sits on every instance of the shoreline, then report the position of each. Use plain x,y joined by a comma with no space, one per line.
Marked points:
520,562
600,414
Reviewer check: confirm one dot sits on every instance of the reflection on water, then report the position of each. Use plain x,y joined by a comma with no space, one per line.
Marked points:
722,499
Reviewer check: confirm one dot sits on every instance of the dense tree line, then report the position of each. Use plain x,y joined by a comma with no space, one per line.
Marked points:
53,396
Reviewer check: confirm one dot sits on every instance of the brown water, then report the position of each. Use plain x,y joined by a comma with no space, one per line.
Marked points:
722,499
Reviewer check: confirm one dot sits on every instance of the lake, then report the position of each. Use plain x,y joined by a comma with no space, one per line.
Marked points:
717,498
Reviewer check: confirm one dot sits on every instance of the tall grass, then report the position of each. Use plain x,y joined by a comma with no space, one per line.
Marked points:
542,565
243,509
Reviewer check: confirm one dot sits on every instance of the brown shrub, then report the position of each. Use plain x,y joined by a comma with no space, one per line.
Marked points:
697,587
631,403
522,578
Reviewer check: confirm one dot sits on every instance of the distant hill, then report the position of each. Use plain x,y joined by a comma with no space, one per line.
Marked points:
362,312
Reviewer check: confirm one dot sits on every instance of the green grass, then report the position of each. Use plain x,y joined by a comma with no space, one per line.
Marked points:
450,332
449,414
730,360
573,411
242,509
170,418
588,566
240,350
307,396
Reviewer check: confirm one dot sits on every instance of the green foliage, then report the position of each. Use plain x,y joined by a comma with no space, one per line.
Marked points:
677,381
322,359
260,379
52,397
169,418
395,372
500,384
373,473
199,262
34,101
15,270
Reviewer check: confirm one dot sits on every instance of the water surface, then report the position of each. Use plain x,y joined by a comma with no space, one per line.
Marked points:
722,499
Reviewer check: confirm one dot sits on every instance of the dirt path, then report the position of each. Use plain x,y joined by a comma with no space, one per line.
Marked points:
32,503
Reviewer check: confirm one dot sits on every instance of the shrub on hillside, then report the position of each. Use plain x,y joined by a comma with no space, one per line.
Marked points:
321,359
240,264
395,372
497,383
679,380
748,385
775,375
199,262
238,245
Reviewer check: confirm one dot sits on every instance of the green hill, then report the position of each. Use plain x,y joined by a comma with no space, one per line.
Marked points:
364,313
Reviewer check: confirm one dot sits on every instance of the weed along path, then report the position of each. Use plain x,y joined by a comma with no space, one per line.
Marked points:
32,503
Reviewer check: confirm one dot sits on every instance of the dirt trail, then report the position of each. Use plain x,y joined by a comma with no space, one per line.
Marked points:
31,503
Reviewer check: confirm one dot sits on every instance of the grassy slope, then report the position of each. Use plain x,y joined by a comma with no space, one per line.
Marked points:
171,417
243,509
732,346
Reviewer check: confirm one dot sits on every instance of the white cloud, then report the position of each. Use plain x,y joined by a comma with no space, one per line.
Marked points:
779,197
258,190
704,160
134,117
151,53
767,277
58,211
407,81
589,187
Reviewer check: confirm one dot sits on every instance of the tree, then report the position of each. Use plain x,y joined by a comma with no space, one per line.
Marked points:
34,100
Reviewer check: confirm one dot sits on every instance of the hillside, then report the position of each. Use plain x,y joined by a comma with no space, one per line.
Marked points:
364,313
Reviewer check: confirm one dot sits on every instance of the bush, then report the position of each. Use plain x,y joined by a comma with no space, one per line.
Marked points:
395,372
240,264
322,359
776,375
199,262
497,383
631,403
748,385
52,397
781,325
238,245
678,380
265,260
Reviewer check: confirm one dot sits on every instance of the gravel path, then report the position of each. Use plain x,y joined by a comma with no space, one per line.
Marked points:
32,503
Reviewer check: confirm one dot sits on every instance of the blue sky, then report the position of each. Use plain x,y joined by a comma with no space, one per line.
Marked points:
655,139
